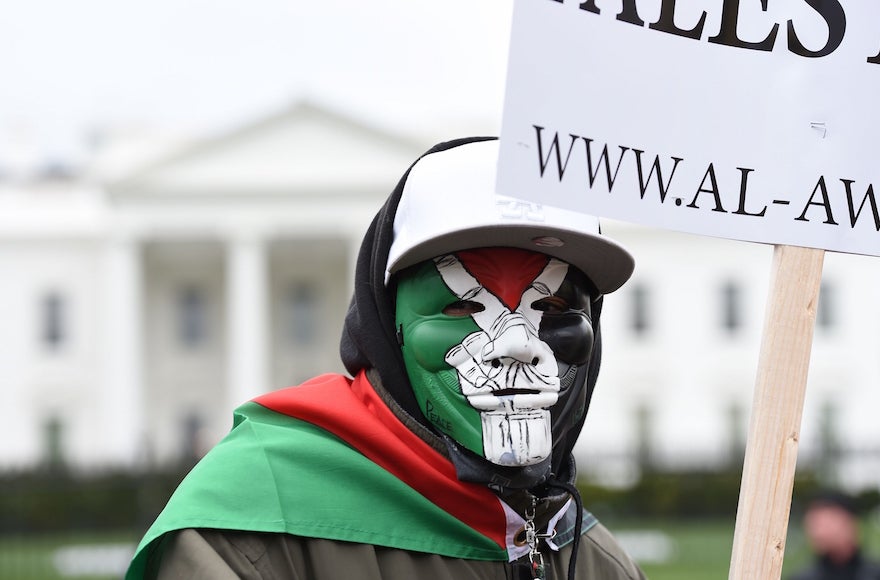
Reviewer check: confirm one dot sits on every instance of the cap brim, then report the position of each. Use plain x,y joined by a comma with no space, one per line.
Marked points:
607,264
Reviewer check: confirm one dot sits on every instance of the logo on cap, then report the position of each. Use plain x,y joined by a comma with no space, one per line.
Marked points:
510,208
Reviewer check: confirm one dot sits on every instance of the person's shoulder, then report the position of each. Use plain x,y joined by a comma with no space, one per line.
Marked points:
606,558
808,573
873,570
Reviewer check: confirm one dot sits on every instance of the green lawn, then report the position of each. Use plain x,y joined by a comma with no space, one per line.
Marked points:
691,550
82,556
701,550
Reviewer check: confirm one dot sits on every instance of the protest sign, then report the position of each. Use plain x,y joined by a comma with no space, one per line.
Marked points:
744,119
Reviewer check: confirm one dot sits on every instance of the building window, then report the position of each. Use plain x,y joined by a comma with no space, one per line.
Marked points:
639,317
737,426
53,324
826,312
192,316
829,451
731,307
302,313
193,444
645,436
53,445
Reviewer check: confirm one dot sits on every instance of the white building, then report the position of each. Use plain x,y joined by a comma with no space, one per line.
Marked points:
683,340
139,311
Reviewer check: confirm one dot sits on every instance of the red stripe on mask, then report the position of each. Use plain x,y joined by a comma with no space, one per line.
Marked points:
505,272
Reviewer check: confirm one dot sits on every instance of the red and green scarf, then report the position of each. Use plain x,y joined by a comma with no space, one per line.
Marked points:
328,459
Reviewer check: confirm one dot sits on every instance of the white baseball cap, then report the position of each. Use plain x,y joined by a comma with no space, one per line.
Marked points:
449,204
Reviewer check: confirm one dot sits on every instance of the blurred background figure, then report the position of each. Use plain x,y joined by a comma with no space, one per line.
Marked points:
831,526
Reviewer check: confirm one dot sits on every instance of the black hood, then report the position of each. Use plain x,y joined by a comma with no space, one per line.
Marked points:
369,340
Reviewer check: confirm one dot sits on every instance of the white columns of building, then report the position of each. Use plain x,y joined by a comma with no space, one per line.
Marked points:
123,432
247,326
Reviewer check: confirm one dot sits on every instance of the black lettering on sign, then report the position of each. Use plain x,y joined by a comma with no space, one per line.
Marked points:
666,23
641,172
831,11
710,174
824,203
554,146
869,198
727,34
655,168
603,157
628,12
835,18
743,185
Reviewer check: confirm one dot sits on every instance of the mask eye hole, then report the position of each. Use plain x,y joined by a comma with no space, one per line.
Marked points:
463,308
551,304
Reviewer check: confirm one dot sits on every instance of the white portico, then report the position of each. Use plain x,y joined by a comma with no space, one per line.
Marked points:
240,253
218,273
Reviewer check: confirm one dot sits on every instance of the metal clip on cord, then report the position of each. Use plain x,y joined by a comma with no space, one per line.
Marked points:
536,558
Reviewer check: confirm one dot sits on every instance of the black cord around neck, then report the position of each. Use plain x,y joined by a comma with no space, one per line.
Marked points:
578,521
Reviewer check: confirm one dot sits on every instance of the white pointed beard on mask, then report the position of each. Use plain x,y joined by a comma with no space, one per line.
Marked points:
505,370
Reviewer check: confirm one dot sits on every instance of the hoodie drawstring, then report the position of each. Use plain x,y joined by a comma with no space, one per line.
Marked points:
578,522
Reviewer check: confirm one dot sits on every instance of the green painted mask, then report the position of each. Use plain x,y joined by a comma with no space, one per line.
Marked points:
471,325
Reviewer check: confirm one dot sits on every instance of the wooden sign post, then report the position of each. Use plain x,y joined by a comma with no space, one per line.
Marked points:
774,430
747,120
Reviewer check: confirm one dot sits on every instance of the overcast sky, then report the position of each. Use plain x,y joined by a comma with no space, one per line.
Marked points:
68,66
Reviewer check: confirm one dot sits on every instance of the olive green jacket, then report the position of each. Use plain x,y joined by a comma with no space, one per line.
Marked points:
220,555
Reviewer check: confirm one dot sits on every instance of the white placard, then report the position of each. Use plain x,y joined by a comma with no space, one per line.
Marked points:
747,119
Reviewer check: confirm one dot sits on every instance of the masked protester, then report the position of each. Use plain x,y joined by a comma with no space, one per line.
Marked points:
474,345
